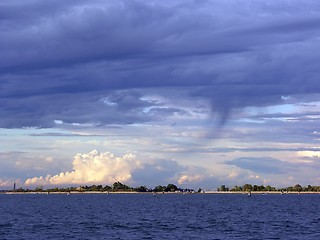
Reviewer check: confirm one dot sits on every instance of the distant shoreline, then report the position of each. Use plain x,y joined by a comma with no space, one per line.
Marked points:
261,193
158,193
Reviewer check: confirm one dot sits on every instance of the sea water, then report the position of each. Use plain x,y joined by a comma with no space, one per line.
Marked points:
164,216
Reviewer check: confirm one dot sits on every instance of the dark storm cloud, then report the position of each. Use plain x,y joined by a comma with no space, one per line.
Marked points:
46,111
93,62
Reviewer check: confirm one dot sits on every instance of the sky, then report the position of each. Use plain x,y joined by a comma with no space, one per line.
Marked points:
197,93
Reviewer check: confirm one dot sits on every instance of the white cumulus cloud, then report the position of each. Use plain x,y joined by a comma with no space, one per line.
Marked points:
93,168
187,179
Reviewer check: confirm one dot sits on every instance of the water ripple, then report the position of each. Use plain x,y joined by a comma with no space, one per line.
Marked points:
127,216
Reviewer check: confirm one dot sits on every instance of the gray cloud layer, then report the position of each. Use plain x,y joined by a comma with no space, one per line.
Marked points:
261,165
94,62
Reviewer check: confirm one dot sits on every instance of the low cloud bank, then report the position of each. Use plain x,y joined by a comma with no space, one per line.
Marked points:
9,183
6,183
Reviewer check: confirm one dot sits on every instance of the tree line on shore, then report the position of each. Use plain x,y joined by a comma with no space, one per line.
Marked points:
262,188
116,187
120,187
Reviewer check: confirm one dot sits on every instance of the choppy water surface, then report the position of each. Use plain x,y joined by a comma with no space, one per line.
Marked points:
165,216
